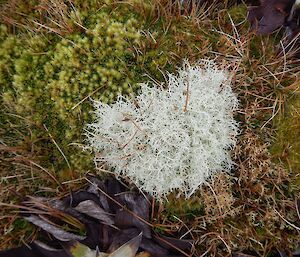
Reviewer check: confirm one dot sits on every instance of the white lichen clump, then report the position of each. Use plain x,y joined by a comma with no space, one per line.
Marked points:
167,139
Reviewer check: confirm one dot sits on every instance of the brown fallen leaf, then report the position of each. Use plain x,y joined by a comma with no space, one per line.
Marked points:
291,38
113,216
91,209
269,15
56,231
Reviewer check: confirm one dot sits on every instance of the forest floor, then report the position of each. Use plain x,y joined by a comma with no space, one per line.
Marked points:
55,55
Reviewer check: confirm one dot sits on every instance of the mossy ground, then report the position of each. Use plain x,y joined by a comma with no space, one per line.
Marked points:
286,146
54,58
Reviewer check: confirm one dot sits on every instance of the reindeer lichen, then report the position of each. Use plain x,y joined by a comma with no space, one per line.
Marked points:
169,139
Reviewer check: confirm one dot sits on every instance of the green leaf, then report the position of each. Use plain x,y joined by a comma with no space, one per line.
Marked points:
77,249
129,249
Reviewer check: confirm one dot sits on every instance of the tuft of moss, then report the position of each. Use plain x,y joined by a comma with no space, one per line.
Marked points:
45,79
286,143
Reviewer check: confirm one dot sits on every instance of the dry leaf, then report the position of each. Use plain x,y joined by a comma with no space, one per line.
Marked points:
91,209
57,232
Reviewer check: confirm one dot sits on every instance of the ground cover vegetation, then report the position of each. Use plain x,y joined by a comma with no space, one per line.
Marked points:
56,55
179,136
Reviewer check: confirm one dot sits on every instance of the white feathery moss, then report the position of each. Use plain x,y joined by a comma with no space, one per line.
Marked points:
167,139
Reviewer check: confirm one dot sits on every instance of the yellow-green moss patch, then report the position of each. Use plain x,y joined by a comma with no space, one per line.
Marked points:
286,145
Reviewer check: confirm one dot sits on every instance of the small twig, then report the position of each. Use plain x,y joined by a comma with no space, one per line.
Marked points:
284,59
188,229
23,208
216,198
153,208
289,223
227,246
146,198
72,181
46,27
89,95
273,114
131,138
206,252
81,26
48,172
59,149
187,95
134,123
297,208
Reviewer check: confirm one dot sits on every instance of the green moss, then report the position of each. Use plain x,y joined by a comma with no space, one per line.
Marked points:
44,79
237,13
49,80
286,145
23,229
20,224
181,207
